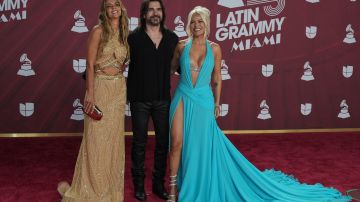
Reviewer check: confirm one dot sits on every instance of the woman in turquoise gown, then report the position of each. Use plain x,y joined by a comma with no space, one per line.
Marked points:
204,165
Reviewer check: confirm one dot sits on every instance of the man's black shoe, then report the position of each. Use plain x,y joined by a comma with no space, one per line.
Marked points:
159,191
140,195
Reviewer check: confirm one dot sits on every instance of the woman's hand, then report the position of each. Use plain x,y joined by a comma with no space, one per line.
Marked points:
217,111
126,63
89,102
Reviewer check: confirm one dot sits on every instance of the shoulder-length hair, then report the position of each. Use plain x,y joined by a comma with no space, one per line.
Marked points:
144,9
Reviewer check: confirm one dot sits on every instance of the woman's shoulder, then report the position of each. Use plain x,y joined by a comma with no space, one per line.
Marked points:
97,30
184,42
215,46
181,44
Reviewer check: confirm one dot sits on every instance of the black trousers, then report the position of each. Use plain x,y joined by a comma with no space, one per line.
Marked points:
140,114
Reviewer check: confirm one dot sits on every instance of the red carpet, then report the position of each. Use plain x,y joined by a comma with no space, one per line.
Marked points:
30,168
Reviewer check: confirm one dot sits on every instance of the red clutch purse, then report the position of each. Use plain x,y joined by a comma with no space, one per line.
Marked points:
96,114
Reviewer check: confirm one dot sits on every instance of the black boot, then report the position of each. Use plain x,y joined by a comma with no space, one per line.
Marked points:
159,173
137,170
138,181
140,193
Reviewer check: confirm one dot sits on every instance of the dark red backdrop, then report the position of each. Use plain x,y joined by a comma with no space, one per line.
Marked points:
43,42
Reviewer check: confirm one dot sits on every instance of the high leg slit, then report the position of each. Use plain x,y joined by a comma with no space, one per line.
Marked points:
211,168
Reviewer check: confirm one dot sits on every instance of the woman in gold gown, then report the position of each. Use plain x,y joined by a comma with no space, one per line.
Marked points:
99,170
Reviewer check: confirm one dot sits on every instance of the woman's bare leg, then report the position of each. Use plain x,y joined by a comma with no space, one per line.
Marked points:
175,148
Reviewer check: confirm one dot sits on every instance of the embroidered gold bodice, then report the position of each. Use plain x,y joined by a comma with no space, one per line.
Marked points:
113,54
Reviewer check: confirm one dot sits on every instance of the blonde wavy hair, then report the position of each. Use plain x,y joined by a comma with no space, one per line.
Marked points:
205,16
104,22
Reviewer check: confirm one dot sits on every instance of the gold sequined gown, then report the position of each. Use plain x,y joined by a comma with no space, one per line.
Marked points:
99,170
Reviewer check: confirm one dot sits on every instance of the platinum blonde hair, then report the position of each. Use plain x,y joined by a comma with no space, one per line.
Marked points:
205,16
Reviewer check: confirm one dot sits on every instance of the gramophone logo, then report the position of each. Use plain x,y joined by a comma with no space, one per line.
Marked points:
224,109
26,109
264,111
231,3
313,1
246,25
344,110
308,75
25,68
78,113
224,71
179,27
11,10
79,26
127,110
311,32
348,71
267,70
79,65
349,38
305,109
133,23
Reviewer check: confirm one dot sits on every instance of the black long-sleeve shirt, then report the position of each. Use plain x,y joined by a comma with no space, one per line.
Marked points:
149,68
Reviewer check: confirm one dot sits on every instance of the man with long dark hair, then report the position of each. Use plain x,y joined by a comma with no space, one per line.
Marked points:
151,50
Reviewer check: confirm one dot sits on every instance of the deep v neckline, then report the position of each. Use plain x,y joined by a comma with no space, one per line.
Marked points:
201,66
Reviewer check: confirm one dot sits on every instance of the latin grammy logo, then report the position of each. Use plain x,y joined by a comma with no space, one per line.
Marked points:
264,111
311,32
224,71
78,113
268,9
305,109
349,38
13,10
267,70
25,69
308,75
344,110
79,26
26,109
180,27
20,15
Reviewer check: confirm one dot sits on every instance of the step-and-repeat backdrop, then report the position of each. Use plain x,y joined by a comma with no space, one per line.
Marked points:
286,64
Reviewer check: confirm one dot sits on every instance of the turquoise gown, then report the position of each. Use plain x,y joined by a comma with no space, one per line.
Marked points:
211,168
